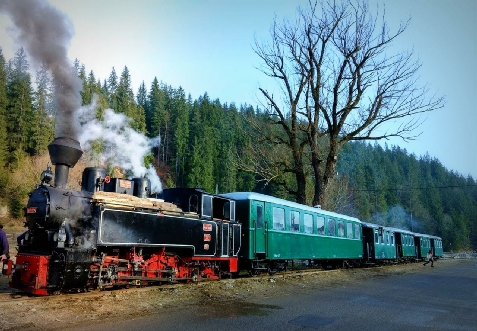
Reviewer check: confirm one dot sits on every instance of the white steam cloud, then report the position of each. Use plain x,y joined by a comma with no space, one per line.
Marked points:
122,145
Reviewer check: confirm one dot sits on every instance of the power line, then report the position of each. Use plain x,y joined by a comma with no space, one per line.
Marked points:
414,188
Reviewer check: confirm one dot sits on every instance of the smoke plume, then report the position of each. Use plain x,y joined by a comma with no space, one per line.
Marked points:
45,33
397,217
120,144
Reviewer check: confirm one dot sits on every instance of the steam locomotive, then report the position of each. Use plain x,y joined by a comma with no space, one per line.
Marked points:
112,234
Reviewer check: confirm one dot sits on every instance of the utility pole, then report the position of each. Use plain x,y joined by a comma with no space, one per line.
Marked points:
375,197
410,203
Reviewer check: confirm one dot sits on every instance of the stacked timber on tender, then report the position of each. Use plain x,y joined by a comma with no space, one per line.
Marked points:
130,202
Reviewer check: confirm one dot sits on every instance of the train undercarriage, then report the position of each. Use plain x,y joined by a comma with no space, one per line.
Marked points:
258,266
84,270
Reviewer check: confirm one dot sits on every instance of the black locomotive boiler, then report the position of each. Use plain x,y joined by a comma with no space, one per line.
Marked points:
111,233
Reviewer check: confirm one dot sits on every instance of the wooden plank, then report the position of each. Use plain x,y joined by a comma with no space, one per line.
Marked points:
130,201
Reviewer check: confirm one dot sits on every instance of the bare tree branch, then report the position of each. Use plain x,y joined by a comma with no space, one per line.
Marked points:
340,81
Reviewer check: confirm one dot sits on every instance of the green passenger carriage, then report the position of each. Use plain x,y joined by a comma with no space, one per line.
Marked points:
379,243
276,231
405,247
423,245
427,243
436,244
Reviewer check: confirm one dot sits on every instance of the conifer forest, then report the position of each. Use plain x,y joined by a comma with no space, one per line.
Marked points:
218,147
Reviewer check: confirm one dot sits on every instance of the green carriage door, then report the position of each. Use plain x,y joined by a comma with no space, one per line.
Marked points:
258,209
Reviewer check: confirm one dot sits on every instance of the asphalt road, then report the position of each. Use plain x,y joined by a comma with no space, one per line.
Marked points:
440,298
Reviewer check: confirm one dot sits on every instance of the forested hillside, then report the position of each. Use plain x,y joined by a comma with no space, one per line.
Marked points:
391,187
206,143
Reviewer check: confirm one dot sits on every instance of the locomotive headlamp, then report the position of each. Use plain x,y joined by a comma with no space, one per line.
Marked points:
46,175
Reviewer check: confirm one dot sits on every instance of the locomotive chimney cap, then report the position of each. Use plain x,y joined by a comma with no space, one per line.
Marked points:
65,151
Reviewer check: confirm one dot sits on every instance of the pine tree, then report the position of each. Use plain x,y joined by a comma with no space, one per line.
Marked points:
85,93
19,112
141,97
77,66
42,128
141,101
3,108
112,86
156,101
124,96
180,129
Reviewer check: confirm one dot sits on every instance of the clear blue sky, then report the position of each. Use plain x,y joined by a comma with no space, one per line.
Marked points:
206,46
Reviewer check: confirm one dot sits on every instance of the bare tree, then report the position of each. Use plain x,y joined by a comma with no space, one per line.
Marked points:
338,84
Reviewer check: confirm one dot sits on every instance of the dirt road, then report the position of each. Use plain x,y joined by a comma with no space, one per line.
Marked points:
20,312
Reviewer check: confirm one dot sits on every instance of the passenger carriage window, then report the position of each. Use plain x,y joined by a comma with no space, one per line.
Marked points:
294,221
376,237
308,221
392,239
349,230
387,237
320,225
278,218
331,227
357,231
341,229
259,217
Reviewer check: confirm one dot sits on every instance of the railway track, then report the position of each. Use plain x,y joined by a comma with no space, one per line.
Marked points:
17,296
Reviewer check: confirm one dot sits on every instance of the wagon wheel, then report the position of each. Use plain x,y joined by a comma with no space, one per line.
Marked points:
253,272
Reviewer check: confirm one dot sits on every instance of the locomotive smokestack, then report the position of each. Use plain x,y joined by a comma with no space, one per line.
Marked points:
64,153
